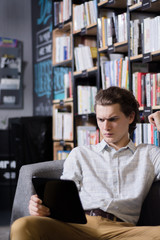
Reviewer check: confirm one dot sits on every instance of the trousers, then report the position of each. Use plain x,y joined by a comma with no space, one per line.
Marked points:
97,227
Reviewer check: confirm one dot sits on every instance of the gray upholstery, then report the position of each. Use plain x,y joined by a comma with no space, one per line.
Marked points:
24,190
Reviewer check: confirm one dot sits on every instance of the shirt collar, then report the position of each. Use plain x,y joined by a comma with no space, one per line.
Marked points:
105,145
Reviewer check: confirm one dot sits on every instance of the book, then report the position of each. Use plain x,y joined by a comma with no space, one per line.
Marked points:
86,135
86,105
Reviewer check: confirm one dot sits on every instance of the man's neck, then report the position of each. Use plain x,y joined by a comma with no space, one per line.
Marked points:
119,146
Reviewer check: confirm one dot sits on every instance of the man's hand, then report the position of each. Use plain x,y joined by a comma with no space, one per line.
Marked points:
36,208
154,119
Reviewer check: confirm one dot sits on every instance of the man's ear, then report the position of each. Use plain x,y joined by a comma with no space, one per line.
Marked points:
131,117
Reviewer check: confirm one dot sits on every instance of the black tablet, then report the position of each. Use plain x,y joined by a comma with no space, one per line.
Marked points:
62,198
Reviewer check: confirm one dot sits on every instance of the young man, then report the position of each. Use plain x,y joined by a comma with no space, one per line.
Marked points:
113,178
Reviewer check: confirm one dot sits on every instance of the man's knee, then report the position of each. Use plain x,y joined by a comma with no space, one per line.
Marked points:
19,223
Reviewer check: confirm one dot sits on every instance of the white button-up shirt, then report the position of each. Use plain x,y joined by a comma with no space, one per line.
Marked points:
114,181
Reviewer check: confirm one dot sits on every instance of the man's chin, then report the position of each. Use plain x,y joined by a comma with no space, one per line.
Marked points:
109,140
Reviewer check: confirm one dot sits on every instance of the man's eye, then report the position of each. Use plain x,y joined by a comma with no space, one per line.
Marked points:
113,119
101,120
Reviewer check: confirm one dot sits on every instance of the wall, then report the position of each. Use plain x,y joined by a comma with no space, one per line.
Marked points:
15,22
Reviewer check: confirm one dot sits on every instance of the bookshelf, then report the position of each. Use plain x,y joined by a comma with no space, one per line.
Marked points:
144,22
11,87
85,78
62,79
116,45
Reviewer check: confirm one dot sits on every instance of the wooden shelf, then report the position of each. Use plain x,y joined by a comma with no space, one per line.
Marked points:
87,70
89,30
155,7
63,25
59,32
66,100
155,56
135,6
116,4
120,46
65,107
57,146
135,58
67,63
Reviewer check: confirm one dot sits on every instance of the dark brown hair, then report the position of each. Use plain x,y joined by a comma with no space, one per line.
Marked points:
124,97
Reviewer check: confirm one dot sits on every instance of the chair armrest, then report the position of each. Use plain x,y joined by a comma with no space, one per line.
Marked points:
25,189
150,212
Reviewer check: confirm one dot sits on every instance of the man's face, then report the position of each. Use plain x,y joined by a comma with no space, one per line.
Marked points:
113,125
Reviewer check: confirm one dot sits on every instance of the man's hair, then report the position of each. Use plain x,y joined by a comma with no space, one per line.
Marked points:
124,97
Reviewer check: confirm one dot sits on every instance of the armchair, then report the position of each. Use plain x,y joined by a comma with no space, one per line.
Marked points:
150,213
25,189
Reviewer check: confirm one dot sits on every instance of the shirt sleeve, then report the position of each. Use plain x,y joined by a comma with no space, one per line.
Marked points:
155,156
72,168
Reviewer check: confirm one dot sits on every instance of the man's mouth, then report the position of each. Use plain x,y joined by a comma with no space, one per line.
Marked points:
108,134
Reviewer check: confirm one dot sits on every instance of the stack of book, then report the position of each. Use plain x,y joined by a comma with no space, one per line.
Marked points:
63,48
115,73
84,15
146,133
86,104
151,34
62,154
62,11
112,28
87,135
146,88
63,125
83,58
135,37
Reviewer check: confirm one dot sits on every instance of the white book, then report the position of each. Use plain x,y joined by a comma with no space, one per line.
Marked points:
76,59
80,16
93,94
64,10
81,64
103,59
59,126
120,28
79,100
92,12
109,31
158,33
82,134
75,20
149,134
67,126
138,131
125,27
86,100
147,33
66,85
87,57
145,132
153,35
57,121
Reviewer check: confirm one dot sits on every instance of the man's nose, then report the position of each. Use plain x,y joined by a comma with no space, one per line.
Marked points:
106,124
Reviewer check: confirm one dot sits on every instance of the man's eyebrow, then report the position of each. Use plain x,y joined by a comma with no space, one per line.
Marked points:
115,117
110,118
